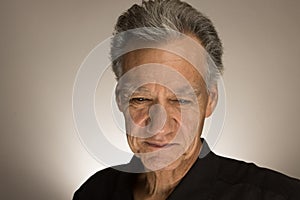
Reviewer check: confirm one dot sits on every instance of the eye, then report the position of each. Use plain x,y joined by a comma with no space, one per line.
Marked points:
182,101
139,100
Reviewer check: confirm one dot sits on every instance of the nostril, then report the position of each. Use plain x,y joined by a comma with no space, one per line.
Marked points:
158,117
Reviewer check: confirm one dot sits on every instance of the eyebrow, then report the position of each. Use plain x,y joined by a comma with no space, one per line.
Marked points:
187,91
131,89
142,89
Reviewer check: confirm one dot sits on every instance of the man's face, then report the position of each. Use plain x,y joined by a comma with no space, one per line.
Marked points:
164,115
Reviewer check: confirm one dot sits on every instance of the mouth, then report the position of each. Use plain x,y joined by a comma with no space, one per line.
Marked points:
156,145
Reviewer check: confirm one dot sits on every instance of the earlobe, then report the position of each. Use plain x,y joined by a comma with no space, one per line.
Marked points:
212,100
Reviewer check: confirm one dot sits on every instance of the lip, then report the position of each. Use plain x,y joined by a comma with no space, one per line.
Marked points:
158,145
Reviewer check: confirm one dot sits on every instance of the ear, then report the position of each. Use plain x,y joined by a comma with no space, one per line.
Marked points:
212,100
118,99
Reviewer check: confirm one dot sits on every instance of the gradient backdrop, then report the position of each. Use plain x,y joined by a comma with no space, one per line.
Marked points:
44,42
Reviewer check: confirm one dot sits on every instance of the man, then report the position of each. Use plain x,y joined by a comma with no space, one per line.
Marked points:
167,59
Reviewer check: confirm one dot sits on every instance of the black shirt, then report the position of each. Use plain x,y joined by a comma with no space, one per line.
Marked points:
212,177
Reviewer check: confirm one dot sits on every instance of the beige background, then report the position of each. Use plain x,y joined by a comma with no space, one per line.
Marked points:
44,42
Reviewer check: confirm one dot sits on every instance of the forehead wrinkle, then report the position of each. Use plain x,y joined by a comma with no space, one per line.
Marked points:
179,64
142,89
155,89
162,56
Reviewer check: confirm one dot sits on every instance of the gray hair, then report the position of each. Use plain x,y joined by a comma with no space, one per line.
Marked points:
162,16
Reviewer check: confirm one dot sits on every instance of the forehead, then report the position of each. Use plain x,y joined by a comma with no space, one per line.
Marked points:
163,58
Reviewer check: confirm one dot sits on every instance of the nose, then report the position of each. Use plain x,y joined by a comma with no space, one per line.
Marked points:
157,121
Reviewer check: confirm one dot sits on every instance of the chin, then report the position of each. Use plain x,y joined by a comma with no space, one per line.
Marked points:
157,165
159,162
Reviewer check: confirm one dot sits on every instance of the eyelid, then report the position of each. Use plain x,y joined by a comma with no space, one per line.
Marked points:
139,99
182,100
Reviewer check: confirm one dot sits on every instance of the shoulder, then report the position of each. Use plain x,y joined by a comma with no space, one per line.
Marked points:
111,183
101,183
238,177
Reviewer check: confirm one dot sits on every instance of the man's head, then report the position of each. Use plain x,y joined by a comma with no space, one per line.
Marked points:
166,57
162,16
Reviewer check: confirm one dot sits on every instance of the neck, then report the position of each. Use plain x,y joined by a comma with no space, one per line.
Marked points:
159,184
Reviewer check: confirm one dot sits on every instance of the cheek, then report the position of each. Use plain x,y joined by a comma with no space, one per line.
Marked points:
190,126
134,120
132,143
138,116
